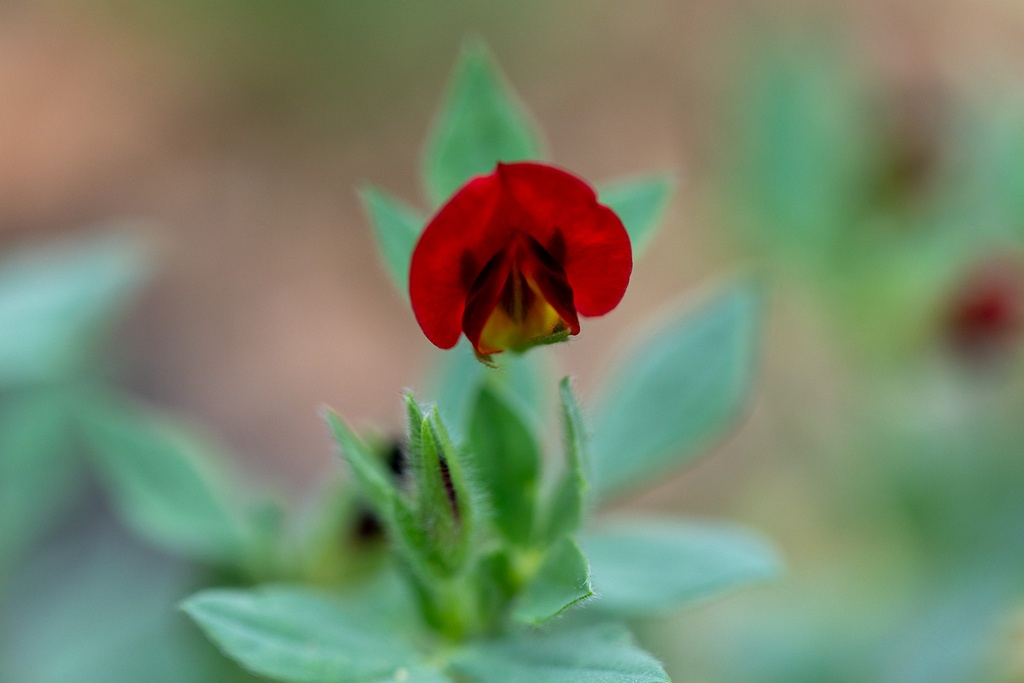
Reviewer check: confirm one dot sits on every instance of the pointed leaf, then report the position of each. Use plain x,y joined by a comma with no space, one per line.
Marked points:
397,228
57,301
602,653
640,204
303,636
481,123
648,566
676,393
562,581
567,503
167,482
505,458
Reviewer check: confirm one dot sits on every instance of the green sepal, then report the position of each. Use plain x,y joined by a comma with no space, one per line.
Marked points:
505,458
640,204
438,503
568,500
562,580
397,228
481,122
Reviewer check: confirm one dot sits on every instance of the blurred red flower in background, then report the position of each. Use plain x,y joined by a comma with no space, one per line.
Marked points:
515,257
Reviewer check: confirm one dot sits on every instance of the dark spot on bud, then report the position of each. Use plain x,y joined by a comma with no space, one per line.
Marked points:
446,477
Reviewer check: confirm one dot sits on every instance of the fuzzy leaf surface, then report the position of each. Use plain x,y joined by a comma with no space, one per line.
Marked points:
481,123
397,228
506,459
562,580
640,204
567,503
651,566
601,653
675,393
303,636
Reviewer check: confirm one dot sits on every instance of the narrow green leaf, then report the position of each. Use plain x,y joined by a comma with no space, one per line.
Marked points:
651,566
57,301
366,467
397,228
562,580
166,482
674,394
603,653
505,458
567,503
302,636
640,203
37,471
480,123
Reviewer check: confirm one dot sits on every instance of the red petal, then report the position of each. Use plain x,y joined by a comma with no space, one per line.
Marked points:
555,208
587,238
453,248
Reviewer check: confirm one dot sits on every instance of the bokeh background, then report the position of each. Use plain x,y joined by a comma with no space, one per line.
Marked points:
865,159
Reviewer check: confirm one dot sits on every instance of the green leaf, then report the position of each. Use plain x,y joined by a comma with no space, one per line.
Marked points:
37,471
303,636
674,394
567,503
481,123
562,580
650,566
505,458
397,228
57,301
167,482
640,203
603,652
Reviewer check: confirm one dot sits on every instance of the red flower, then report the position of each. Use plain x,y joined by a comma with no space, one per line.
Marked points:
515,257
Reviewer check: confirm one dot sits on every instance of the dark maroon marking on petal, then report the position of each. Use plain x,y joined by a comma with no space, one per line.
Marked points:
484,296
550,278
556,246
469,269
